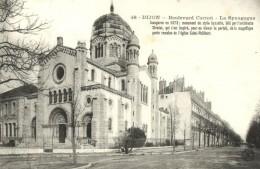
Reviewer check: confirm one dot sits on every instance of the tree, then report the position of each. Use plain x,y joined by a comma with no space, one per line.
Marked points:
174,122
185,131
133,137
19,55
76,111
252,137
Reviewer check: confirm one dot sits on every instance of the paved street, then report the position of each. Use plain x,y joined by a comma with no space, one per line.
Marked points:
219,158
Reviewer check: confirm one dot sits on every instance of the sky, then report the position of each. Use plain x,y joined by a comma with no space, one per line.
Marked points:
225,65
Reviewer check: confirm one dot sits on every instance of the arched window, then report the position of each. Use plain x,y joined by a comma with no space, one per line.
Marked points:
70,94
127,56
118,51
11,131
92,74
33,127
6,129
14,126
111,50
50,97
65,95
60,96
101,50
96,52
123,85
55,97
109,124
131,54
109,82
115,50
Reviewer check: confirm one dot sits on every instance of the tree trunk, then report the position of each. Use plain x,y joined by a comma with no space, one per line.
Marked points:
174,142
171,130
204,139
73,136
74,145
199,137
184,140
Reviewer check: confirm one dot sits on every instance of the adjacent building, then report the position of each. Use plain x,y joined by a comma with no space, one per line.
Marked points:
196,123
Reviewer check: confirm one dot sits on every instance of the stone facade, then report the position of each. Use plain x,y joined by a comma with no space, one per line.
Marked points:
104,88
201,125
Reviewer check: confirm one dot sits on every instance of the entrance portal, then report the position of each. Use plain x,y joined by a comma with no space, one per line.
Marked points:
59,119
62,133
87,125
89,130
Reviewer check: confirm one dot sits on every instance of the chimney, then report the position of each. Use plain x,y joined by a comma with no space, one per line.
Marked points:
59,41
81,44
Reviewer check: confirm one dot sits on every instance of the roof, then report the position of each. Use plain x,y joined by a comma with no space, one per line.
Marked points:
152,58
134,40
115,73
110,24
20,91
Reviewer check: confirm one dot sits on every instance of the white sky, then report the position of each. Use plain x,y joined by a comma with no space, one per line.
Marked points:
225,65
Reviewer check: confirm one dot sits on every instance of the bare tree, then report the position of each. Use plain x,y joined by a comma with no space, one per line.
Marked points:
76,111
174,122
19,55
185,131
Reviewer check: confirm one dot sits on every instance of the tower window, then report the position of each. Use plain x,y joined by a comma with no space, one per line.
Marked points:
98,51
109,124
115,50
70,94
96,55
123,85
93,75
109,82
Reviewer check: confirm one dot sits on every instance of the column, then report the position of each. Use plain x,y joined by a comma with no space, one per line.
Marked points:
0,133
121,123
6,130
14,125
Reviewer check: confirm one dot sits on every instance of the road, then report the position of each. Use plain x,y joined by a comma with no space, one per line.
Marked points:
213,158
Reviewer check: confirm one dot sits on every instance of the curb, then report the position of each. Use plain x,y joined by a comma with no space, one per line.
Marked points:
112,154
84,167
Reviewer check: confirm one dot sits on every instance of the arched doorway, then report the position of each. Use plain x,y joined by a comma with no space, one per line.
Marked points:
58,118
33,128
87,125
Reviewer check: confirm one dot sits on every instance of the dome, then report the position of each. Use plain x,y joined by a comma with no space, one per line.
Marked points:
152,58
111,24
133,40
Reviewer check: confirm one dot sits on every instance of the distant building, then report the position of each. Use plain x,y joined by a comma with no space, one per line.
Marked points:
17,114
202,126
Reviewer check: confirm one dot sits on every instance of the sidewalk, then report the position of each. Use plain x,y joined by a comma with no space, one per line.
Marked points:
112,152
